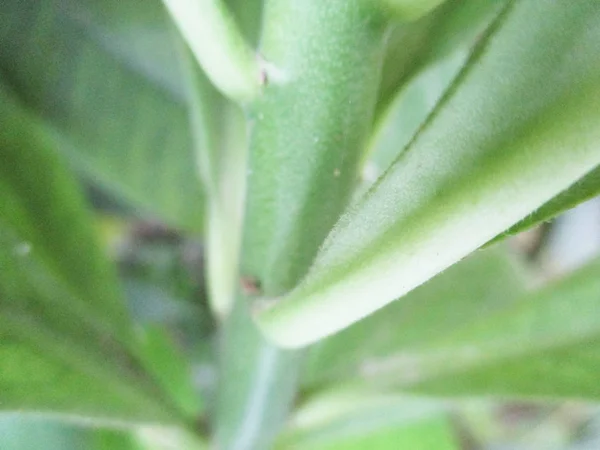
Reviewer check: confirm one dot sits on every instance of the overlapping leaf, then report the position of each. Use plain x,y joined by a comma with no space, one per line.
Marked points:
518,127
409,110
482,284
27,433
221,144
414,47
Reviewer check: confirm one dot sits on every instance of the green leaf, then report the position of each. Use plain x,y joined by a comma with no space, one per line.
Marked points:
473,289
546,345
454,27
248,15
150,438
211,32
409,110
61,312
350,419
220,133
518,127
584,189
41,209
118,118
168,366
505,343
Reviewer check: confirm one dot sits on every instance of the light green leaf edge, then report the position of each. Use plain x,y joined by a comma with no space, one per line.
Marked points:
214,37
413,47
473,289
220,134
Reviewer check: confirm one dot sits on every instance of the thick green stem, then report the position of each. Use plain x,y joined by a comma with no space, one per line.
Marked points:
323,67
257,385
322,61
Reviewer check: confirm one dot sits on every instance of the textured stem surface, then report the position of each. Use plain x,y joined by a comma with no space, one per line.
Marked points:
322,64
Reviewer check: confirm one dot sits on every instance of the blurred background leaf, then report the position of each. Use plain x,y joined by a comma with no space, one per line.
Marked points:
110,89
546,346
34,433
68,345
350,419
452,28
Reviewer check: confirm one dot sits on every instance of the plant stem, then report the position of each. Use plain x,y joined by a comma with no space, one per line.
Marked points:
323,62
220,138
257,385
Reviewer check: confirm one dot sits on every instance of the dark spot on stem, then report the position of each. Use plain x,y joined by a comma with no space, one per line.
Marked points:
250,286
263,75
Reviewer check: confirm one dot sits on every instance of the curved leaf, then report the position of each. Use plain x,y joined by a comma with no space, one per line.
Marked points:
220,134
518,127
472,290
217,43
413,47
